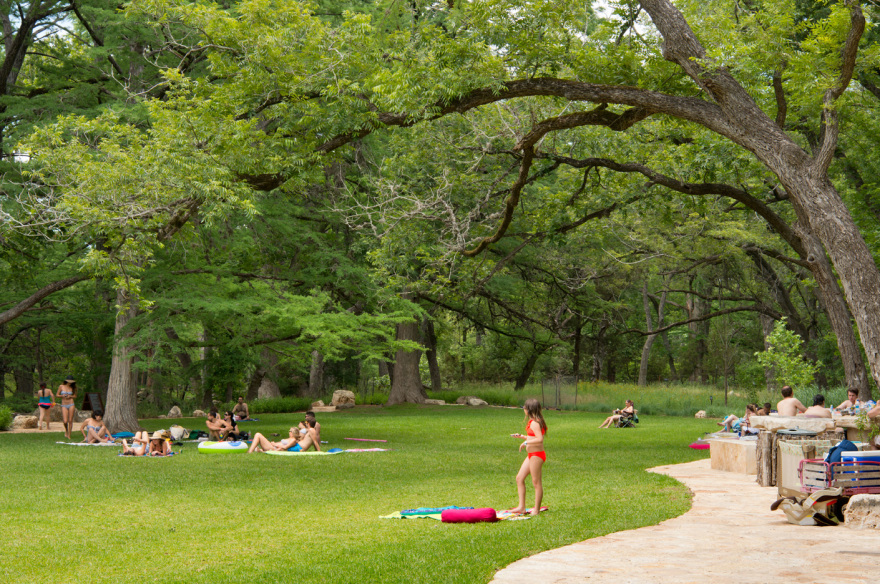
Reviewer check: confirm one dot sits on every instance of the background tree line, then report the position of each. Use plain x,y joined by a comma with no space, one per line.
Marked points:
202,197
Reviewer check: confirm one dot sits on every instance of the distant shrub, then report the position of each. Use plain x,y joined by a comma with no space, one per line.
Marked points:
275,405
5,417
21,405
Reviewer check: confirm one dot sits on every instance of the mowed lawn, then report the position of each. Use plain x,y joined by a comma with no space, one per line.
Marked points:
84,514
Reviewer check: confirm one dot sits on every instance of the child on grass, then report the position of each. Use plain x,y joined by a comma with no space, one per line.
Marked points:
536,427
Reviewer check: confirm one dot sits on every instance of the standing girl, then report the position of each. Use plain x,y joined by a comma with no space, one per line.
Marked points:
46,401
67,393
536,427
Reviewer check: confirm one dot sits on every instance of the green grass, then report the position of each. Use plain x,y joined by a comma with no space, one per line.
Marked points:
77,514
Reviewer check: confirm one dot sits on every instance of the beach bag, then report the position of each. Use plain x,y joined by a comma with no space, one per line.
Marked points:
178,433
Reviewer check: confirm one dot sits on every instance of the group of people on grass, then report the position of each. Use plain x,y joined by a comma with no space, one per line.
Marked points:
46,401
305,435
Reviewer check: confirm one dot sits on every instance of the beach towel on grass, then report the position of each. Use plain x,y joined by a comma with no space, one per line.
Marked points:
307,453
508,516
436,513
172,453
87,444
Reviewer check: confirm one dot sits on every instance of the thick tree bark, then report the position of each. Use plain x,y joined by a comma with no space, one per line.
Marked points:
649,339
316,375
256,380
601,351
24,382
798,236
528,367
121,403
431,354
805,178
406,385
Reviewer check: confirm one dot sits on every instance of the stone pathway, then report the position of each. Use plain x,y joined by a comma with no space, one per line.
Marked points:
729,535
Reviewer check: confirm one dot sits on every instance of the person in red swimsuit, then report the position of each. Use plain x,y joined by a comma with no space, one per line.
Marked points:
536,427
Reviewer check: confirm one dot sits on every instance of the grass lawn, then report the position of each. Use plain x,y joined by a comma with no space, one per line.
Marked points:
78,514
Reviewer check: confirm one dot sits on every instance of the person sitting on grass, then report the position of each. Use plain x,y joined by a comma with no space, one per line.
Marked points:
262,444
94,431
818,409
230,432
628,412
215,425
240,411
139,444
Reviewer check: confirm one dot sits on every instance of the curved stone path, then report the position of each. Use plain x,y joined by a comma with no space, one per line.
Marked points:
729,535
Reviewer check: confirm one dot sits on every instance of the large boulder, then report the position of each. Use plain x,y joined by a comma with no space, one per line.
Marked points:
343,398
175,412
700,414
475,401
464,399
24,422
199,414
435,402
318,404
54,414
863,512
268,389
81,416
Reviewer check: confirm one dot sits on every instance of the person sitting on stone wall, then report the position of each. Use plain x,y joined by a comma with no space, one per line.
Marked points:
818,409
789,406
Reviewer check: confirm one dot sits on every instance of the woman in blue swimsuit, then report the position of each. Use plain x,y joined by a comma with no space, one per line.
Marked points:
46,401
67,394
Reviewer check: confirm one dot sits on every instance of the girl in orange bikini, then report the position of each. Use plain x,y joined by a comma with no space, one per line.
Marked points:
536,427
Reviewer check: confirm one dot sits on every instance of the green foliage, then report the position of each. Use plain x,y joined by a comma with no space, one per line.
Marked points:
21,405
277,405
5,417
785,357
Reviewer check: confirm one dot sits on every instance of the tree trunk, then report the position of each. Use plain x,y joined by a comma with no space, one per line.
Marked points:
649,340
253,390
207,390
814,199
463,351
431,354
767,324
316,375
121,404
24,382
578,348
601,351
838,314
527,369
406,385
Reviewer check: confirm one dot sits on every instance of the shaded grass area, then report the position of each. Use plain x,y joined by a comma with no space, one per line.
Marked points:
84,513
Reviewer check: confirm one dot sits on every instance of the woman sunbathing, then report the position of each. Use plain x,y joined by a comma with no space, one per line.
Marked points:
628,411
139,444
262,444
159,445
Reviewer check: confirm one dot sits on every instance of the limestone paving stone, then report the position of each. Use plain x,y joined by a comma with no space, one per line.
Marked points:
729,535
